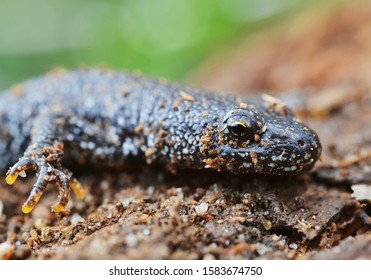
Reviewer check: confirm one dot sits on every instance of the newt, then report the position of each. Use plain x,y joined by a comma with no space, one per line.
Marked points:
66,120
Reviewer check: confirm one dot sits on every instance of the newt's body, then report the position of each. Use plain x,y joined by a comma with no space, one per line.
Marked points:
100,117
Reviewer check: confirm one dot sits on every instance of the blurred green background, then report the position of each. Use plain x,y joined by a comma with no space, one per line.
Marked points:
164,38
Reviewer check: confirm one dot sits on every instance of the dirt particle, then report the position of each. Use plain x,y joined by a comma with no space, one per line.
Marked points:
139,129
254,157
186,96
6,250
149,152
202,208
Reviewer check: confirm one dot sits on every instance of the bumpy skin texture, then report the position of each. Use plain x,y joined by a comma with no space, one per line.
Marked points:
104,118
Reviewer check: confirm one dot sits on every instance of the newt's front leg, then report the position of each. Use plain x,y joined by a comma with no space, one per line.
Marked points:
44,155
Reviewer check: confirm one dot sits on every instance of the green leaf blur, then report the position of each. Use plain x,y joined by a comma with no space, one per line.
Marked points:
164,38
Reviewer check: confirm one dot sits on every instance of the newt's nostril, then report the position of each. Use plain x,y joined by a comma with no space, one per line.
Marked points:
301,143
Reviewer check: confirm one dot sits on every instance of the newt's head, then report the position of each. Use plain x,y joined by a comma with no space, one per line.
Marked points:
264,139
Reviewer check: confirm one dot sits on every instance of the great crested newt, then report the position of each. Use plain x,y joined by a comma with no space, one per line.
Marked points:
101,117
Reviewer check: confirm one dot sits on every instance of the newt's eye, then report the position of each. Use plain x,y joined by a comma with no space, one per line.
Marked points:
237,128
241,124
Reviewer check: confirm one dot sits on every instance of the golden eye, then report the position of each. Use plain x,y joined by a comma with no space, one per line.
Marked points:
237,128
241,125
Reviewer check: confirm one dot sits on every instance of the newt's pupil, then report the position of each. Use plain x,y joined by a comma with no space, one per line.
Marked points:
237,129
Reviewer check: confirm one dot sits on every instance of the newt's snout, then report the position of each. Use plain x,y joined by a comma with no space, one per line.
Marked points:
289,149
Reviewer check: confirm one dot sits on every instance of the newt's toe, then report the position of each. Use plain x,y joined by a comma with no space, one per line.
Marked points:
17,169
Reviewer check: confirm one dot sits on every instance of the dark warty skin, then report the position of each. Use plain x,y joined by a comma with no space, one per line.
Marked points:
101,117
